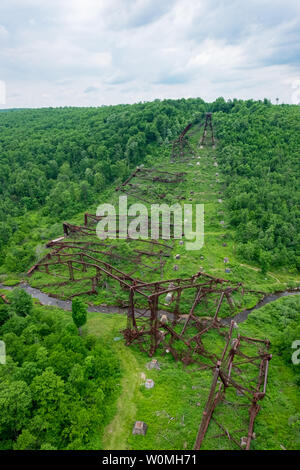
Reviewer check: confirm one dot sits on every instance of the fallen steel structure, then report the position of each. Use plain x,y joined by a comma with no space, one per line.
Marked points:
137,184
208,124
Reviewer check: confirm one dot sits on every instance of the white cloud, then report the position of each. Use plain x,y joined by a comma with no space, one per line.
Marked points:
51,52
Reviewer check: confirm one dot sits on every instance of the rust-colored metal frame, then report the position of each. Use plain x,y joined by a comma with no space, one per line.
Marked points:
208,123
181,145
204,285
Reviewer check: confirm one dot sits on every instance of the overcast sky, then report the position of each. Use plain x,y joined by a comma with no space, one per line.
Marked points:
94,52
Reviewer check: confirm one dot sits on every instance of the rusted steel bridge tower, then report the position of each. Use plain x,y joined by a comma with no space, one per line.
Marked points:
243,367
167,315
208,124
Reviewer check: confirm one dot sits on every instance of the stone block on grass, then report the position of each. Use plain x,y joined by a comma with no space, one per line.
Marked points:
140,428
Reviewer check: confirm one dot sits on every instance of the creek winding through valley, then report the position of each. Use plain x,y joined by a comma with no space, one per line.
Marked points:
67,304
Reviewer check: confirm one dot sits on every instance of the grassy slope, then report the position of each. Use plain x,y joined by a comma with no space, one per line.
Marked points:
174,407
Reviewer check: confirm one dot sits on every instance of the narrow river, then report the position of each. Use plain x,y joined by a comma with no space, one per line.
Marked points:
66,304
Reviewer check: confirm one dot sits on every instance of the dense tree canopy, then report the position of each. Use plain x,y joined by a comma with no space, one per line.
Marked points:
56,387
55,163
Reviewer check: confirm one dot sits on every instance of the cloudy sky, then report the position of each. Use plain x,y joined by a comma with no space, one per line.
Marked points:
94,52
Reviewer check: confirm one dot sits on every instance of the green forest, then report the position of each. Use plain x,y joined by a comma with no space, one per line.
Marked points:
55,163
70,381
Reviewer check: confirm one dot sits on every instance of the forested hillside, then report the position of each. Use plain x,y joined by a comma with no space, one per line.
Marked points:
55,163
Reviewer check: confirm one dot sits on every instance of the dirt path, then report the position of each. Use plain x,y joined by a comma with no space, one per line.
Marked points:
117,431
276,279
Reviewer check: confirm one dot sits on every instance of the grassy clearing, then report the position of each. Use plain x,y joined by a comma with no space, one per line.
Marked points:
173,408
108,328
